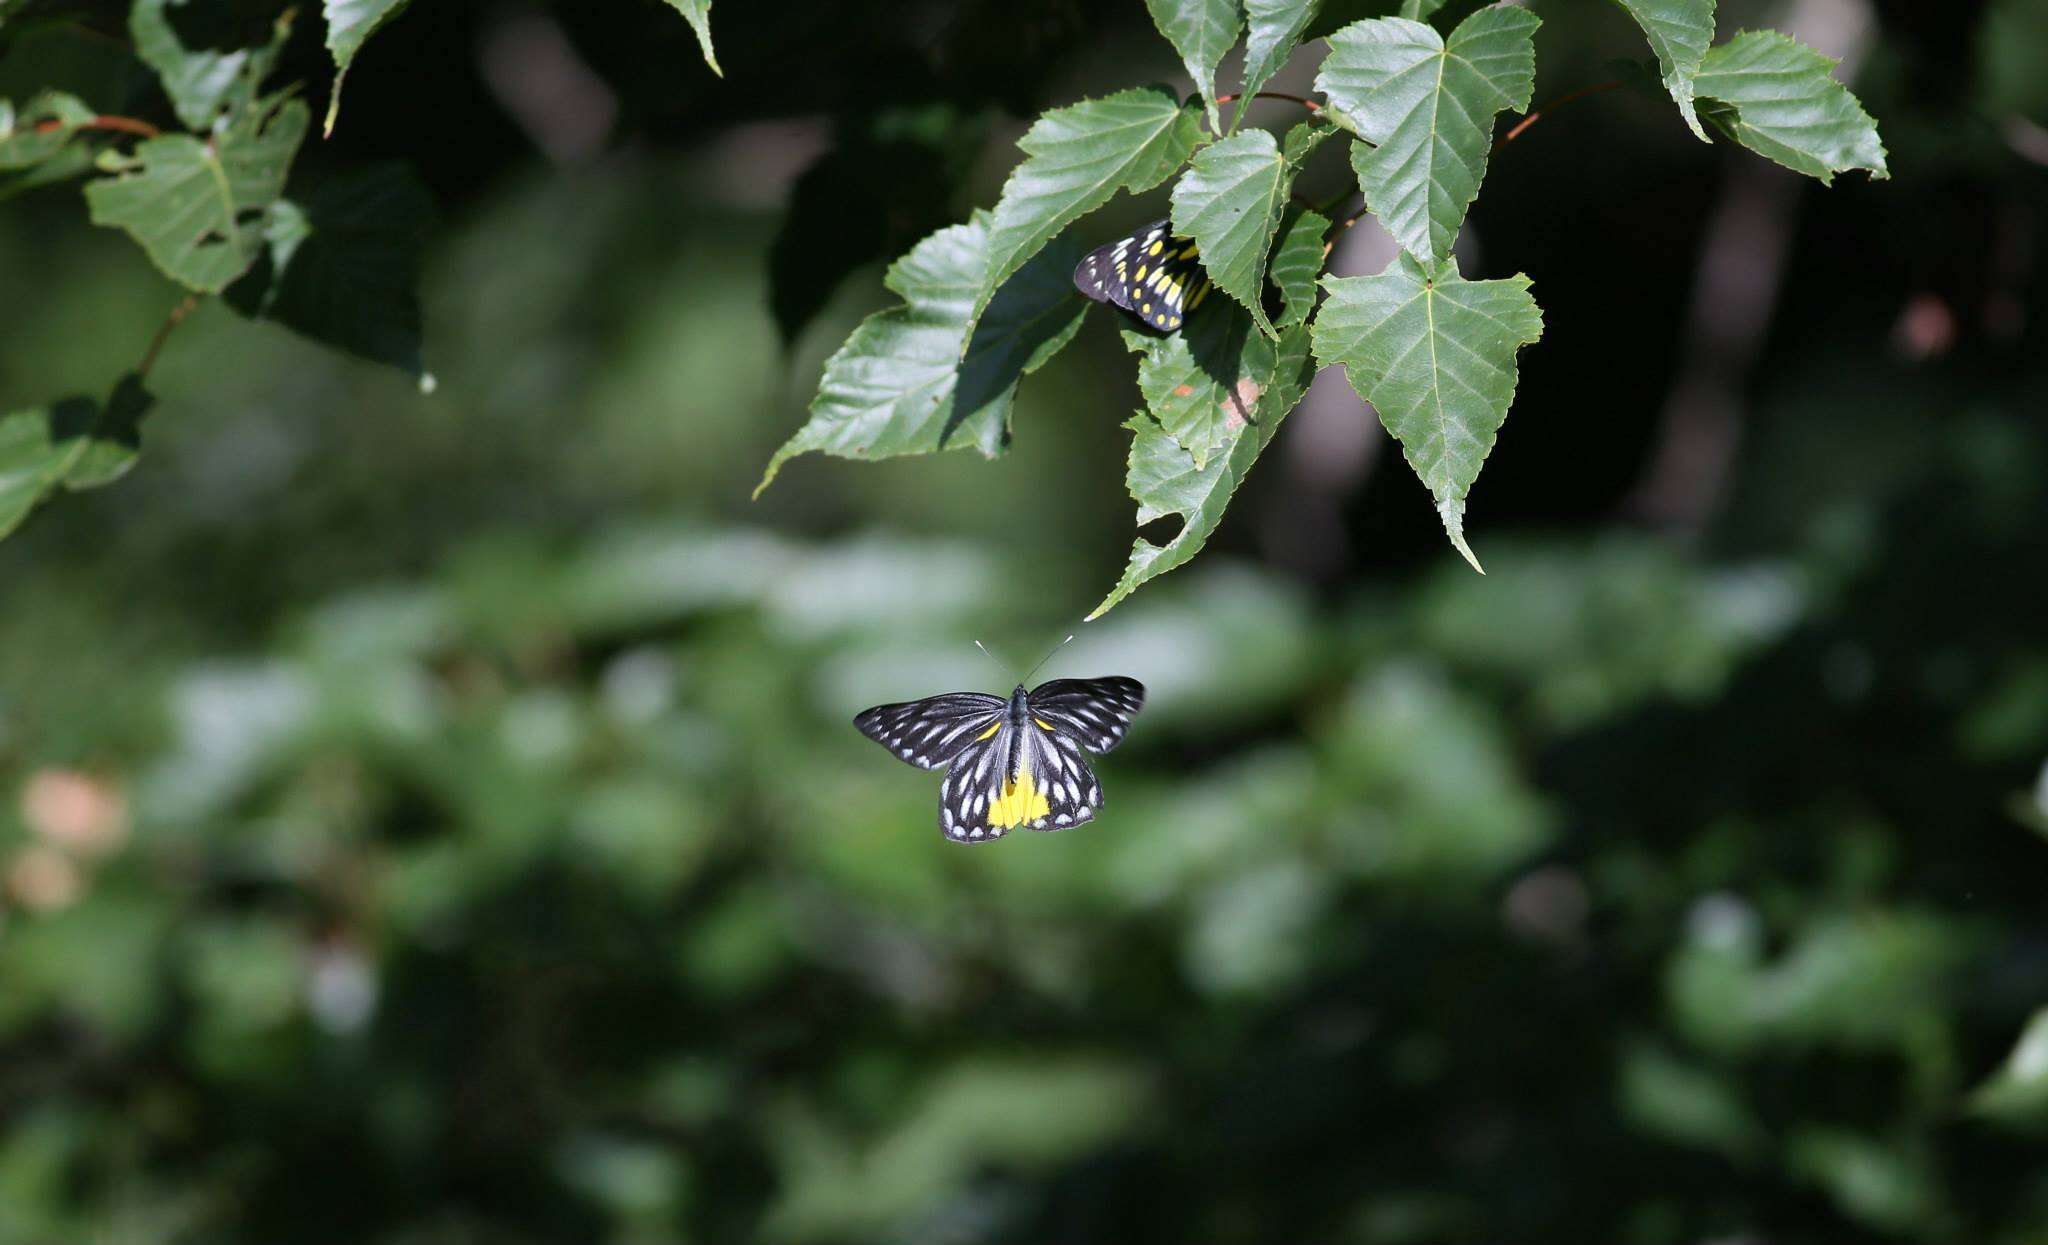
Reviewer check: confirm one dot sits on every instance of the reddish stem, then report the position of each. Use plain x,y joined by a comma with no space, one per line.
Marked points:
1305,102
186,306
1552,106
126,125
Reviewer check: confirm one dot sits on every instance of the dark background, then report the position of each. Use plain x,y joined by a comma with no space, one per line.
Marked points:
434,817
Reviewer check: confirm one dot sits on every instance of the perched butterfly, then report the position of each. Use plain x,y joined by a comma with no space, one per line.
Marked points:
1155,277
1015,762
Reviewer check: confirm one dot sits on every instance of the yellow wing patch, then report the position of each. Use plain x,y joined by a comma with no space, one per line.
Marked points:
1019,801
993,727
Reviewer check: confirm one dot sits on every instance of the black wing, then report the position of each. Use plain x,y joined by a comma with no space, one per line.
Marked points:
1096,712
930,732
1151,274
1036,779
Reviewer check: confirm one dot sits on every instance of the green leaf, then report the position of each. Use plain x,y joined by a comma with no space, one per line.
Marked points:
341,264
1202,384
74,443
902,384
2017,1094
1165,480
1273,28
200,207
1435,355
40,128
1078,157
350,23
1427,107
1679,32
1201,31
1229,202
203,83
1420,10
73,161
1774,95
698,14
1297,262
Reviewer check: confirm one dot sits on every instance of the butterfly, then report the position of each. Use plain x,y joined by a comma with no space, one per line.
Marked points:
1015,762
1152,275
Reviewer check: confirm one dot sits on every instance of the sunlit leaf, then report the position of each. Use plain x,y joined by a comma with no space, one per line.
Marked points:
1201,31
1774,95
902,384
1229,202
199,207
1297,262
1427,105
350,23
2017,1094
698,14
1272,29
1077,157
73,443
341,264
1420,10
1679,32
1435,355
1202,384
1165,481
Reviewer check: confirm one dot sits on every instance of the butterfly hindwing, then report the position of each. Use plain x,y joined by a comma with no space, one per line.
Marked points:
1096,712
1151,274
930,732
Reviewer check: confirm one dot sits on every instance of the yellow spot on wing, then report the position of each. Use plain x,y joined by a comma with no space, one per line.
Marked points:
1017,802
993,727
1043,724
1157,247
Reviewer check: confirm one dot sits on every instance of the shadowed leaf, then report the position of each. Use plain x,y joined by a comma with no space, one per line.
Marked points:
1774,95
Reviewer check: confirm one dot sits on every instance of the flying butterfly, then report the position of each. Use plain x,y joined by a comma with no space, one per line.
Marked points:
1015,762
1151,274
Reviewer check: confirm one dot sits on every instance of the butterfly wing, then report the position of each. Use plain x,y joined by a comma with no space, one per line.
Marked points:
1095,712
929,733
1151,274
1035,778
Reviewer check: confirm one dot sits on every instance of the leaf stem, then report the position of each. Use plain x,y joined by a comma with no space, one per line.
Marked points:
1303,100
1553,106
126,125
186,306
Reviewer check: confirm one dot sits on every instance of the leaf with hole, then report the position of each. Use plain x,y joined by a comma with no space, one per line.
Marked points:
204,83
1202,384
200,207
40,129
912,380
1077,158
1426,104
1435,355
1776,97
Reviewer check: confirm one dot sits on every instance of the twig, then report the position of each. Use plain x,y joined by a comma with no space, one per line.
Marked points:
1304,101
126,125
1552,106
185,307
1330,242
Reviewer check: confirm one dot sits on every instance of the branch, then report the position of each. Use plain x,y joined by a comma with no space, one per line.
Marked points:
1552,106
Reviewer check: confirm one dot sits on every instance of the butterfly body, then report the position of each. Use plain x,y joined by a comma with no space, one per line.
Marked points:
1010,763
1151,274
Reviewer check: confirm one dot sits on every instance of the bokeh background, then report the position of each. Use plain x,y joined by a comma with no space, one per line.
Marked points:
435,818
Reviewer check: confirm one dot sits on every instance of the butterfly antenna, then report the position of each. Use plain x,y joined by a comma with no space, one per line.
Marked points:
991,656
1048,657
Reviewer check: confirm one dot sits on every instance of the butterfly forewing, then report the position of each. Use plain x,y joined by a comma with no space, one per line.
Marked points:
1151,274
1095,712
929,733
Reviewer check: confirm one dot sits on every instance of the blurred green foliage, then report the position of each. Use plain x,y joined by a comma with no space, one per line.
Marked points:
436,819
